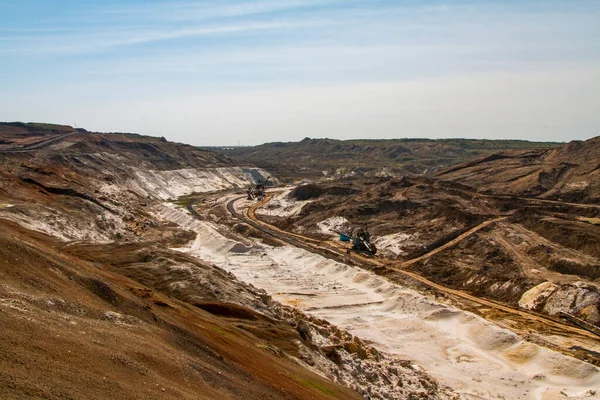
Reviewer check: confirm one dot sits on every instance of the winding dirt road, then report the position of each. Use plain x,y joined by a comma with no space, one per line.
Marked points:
329,251
40,144
451,243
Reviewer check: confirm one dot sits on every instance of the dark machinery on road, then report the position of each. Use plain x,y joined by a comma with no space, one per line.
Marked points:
580,323
258,192
360,240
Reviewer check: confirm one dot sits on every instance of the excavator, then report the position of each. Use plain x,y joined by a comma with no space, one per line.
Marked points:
258,192
361,241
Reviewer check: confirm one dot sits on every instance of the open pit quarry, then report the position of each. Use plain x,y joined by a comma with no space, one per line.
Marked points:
132,267
474,357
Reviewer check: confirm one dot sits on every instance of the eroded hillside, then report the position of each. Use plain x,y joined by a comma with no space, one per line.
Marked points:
95,303
75,184
570,173
501,248
334,159
72,328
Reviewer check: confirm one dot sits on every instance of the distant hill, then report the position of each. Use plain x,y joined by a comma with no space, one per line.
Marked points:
569,173
49,140
313,158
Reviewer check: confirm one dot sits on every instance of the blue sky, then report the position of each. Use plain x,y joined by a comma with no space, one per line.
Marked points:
219,73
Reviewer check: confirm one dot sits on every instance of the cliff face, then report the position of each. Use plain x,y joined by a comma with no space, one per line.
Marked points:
568,173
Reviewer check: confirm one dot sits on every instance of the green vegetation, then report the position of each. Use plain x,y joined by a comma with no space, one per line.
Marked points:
219,331
316,385
38,125
181,201
47,126
269,347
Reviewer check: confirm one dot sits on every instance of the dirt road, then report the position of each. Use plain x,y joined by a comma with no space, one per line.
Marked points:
332,252
451,243
38,145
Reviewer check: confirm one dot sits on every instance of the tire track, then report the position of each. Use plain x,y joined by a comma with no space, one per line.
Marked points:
317,246
38,145
451,243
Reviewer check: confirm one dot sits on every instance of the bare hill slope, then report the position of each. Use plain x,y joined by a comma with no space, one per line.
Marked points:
85,320
79,330
94,303
532,242
80,185
567,173
157,153
314,158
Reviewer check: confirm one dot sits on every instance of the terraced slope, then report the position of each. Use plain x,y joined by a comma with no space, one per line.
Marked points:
81,319
570,173
533,242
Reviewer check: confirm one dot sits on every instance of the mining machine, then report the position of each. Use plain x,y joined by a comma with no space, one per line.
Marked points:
258,192
360,239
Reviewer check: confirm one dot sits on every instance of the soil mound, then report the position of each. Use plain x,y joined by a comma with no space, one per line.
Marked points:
568,173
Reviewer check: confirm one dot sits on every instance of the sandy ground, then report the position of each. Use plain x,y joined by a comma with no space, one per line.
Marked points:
471,355
281,206
71,329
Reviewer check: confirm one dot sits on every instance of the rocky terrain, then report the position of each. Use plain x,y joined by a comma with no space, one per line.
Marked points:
334,159
508,358
124,275
535,244
96,303
81,185
542,256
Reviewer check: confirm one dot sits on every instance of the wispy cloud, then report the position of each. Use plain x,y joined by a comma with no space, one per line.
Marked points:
85,42
106,52
141,23
196,11
299,22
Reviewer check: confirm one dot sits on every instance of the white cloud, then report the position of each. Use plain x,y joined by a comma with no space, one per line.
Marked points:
93,41
199,11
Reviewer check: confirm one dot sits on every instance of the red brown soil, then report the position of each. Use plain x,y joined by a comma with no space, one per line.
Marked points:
75,329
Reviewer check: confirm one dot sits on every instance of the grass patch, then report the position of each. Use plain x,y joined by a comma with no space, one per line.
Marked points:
181,202
594,221
46,125
316,385
273,349
219,332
